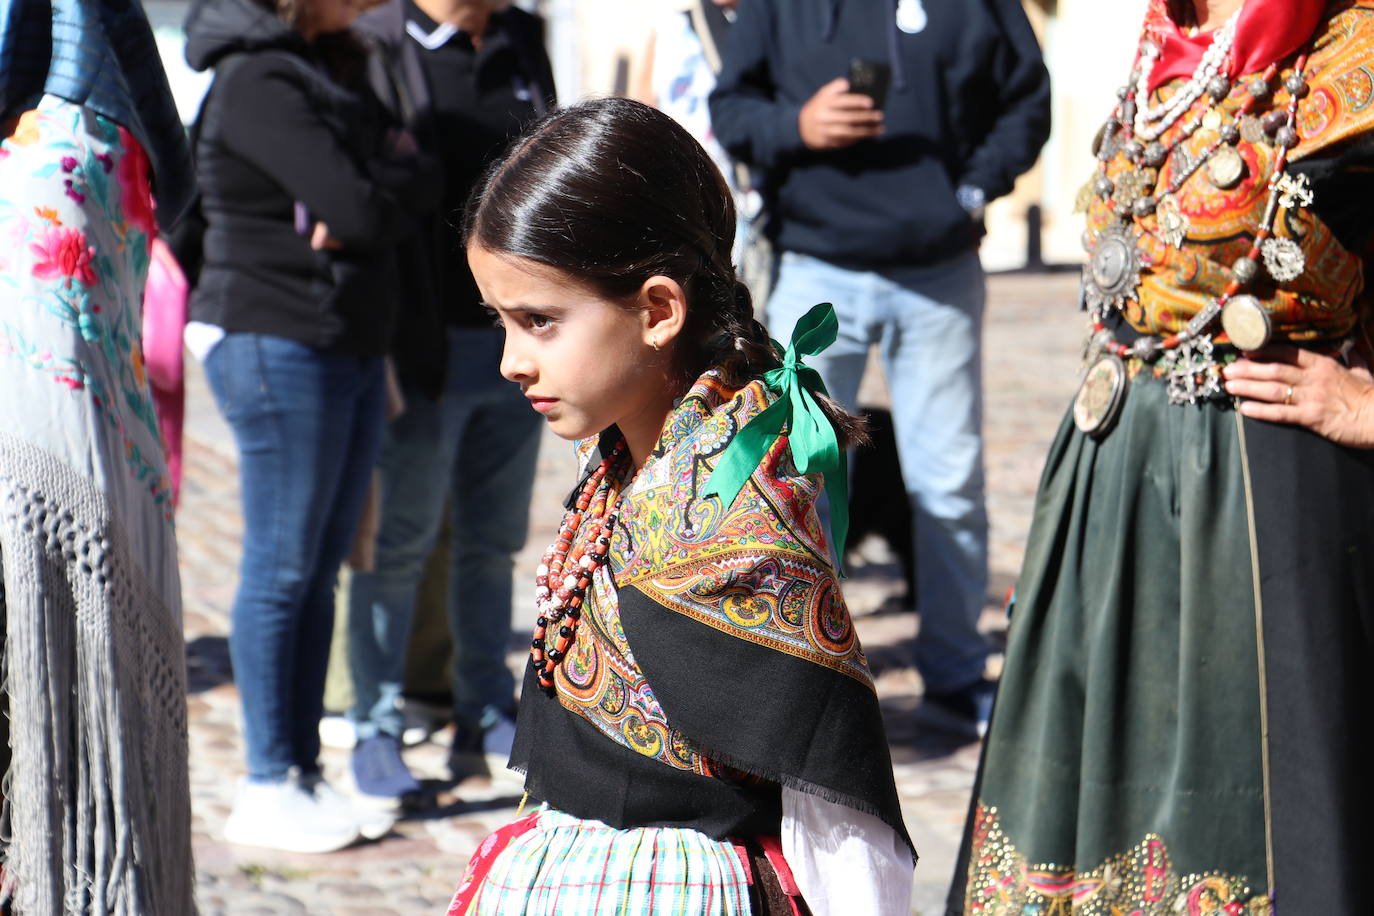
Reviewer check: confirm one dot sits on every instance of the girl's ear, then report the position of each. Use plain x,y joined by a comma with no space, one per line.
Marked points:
663,307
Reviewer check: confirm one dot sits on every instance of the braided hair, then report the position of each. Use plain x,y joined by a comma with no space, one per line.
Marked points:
614,192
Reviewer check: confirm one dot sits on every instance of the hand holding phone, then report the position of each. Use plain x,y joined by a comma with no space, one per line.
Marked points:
870,78
836,117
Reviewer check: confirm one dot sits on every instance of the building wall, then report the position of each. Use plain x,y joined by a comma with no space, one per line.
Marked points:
1089,46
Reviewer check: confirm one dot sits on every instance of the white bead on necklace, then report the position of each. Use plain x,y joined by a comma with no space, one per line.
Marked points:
1152,121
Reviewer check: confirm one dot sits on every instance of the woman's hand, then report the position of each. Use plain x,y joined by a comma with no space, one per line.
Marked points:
1283,384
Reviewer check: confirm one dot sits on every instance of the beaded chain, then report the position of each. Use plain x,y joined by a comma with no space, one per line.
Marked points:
1166,113
1279,125
559,597
1156,154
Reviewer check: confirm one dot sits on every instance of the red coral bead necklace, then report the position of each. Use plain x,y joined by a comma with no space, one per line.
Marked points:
564,574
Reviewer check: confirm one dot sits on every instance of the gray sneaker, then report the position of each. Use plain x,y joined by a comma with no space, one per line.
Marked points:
380,775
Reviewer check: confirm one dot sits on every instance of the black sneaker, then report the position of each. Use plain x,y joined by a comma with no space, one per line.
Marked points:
478,751
964,712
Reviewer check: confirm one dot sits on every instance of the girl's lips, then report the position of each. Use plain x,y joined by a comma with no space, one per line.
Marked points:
542,404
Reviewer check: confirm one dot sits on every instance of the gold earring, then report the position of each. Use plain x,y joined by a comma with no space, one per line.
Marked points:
654,343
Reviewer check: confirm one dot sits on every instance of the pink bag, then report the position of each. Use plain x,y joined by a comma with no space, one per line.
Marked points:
164,321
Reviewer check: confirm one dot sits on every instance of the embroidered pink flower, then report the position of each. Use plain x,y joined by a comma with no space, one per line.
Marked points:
64,253
136,196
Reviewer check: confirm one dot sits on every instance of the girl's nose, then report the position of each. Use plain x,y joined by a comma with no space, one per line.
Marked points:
514,365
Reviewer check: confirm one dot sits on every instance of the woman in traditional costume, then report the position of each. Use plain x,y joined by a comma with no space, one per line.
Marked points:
1192,630
97,812
697,718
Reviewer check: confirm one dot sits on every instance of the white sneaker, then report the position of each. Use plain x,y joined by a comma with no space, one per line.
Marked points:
280,815
337,732
369,822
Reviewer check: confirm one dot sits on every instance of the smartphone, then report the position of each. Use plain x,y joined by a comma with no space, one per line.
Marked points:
870,78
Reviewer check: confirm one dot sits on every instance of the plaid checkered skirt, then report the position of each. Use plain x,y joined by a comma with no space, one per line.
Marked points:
569,865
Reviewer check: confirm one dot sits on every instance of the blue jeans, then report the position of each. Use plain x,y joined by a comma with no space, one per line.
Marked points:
478,444
308,424
927,322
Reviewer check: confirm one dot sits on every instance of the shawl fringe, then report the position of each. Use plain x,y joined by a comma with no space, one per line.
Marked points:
96,796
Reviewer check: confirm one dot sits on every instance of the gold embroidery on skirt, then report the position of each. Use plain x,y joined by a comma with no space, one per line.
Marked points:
1140,882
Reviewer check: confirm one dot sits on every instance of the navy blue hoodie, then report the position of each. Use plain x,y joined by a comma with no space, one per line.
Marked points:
969,105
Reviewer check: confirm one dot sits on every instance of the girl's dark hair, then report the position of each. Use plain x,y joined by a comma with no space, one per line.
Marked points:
614,192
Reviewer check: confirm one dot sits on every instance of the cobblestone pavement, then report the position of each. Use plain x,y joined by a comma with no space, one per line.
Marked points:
1032,346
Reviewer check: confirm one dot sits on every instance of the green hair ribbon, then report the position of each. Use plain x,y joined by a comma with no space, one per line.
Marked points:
815,448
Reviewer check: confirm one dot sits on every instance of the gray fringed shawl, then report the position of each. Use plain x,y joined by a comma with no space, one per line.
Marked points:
95,675
96,797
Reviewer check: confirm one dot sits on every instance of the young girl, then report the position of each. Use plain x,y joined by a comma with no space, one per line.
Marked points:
697,718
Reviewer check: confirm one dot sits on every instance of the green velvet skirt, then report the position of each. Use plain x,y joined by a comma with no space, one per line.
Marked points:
1191,628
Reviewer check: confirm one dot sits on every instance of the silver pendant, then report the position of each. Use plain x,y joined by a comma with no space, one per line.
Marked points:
1246,323
1173,225
1193,372
1134,184
1294,191
1084,198
1100,396
1283,258
1112,273
1226,168
911,16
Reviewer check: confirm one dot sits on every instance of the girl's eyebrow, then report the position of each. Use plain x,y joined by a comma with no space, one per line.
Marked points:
522,308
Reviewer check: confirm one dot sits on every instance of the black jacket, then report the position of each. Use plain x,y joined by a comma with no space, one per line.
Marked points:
398,80
283,144
969,105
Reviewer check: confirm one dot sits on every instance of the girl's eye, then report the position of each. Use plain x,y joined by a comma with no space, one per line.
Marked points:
539,322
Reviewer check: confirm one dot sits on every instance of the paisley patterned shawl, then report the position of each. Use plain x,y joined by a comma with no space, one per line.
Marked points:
717,641
1327,301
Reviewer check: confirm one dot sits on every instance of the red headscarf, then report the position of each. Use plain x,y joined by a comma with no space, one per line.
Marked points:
1268,31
